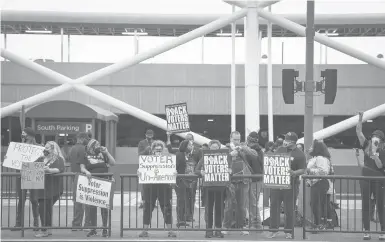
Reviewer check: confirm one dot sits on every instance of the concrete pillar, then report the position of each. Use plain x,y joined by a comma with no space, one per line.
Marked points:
318,123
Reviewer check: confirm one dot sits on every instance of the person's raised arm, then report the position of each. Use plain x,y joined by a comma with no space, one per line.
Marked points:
359,162
110,159
360,134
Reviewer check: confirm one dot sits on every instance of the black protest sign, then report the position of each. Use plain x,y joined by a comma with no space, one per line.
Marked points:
32,175
216,168
276,171
177,118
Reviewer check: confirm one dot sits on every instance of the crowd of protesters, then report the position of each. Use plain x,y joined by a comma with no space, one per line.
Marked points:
227,207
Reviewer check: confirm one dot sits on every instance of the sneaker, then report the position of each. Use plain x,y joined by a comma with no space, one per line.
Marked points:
105,233
367,236
171,234
245,232
272,235
209,234
144,234
381,237
225,232
219,234
42,234
289,236
92,233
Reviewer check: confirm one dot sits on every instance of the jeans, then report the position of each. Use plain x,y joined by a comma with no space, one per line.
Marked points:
162,193
241,193
78,215
252,205
92,216
22,194
190,205
367,188
319,201
45,210
181,192
277,196
214,207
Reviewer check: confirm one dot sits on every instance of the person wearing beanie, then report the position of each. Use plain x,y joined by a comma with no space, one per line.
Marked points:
374,165
28,137
185,164
256,163
97,160
277,196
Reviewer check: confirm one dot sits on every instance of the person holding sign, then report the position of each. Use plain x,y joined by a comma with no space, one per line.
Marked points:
154,192
320,165
144,147
28,137
374,165
214,195
98,160
277,195
53,187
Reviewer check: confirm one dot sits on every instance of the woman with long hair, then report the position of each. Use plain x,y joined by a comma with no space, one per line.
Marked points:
53,186
154,192
319,165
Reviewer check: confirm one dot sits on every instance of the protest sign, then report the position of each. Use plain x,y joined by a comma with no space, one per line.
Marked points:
177,118
32,175
216,168
157,169
18,153
95,191
276,171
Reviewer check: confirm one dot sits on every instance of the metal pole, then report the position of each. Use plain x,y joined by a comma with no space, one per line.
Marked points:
326,54
219,23
309,82
136,43
320,54
252,60
270,116
282,50
233,76
203,50
300,30
69,48
61,44
5,40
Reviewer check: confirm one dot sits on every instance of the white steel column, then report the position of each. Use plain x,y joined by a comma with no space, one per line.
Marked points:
69,49
252,60
61,45
136,43
203,49
320,38
270,114
233,76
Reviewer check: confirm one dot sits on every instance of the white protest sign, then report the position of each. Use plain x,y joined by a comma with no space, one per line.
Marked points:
95,191
32,175
157,169
18,153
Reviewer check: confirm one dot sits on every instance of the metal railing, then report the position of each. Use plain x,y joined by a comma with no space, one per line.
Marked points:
346,214
12,195
132,219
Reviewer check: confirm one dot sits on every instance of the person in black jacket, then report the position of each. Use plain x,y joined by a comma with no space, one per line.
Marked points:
184,165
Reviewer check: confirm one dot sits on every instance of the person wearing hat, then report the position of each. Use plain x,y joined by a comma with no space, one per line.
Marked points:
277,196
28,137
144,147
76,156
374,165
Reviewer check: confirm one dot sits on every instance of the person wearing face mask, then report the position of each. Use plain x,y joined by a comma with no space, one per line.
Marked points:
144,147
28,137
184,165
157,192
374,162
172,147
53,185
77,156
98,160
277,196
214,206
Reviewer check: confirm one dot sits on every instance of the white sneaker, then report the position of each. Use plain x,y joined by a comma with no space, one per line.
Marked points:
245,232
381,237
367,236
272,235
226,232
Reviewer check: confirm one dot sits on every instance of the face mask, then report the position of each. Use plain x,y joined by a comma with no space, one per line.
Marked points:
46,152
97,150
23,137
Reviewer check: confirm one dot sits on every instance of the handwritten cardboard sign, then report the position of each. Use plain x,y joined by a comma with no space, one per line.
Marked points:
95,191
18,153
32,175
216,167
157,169
276,171
177,118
